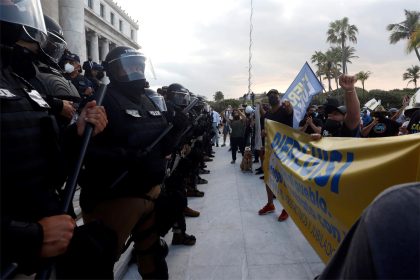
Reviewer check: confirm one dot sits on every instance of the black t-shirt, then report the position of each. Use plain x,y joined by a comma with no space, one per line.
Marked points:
280,116
309,130
342,131
385,127
414,124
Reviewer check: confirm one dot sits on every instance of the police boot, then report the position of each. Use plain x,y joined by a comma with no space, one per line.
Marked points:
188,212
181,238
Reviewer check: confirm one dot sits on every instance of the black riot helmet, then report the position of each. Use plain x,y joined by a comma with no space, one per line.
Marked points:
157,99
55,46
125,65
178,94
22,19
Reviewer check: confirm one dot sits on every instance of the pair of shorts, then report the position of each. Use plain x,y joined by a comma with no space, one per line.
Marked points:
226,129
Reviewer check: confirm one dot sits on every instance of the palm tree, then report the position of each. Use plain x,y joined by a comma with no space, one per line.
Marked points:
331,66
335,55
318,58
339,32
362,77
414,42
412,75
407,29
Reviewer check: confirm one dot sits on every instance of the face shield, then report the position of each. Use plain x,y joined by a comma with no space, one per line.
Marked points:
181,98
127,67
159,101
27,13
54,48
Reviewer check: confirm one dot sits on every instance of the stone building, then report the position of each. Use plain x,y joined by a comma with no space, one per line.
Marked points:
93,27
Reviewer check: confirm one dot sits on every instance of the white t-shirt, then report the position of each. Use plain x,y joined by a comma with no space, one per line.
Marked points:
216,117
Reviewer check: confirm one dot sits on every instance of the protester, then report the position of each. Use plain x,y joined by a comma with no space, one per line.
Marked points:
378,248
342,121
366,117
226,119
381,125
237,134
282,113
216,122
310,123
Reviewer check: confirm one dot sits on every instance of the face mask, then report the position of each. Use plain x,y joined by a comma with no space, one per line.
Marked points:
314,115
273,100
133,86
68,68
332,126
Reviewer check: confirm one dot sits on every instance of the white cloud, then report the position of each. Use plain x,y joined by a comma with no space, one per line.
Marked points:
204,44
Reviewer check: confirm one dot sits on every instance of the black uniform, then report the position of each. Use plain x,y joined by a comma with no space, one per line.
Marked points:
28,160
134,123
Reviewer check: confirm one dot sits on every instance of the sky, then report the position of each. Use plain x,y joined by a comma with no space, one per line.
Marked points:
204,44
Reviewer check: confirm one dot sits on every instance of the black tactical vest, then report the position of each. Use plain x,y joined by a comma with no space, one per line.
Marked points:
133,124
26,151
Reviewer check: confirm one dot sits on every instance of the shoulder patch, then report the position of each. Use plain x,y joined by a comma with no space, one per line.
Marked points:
6,93
37,98
133,113
155,113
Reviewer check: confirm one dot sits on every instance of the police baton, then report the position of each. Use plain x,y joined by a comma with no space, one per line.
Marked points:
169,127
71,182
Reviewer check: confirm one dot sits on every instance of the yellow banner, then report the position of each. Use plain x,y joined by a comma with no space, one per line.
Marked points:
325,185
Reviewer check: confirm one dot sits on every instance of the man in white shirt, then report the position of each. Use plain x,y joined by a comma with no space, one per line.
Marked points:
216,122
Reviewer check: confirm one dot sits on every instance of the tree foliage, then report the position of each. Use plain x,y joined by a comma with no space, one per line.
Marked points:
339,33
407,30
218,96
362,77
412,75
222,105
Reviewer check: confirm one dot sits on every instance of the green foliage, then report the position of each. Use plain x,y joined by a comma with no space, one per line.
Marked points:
218,96
222,105
389,99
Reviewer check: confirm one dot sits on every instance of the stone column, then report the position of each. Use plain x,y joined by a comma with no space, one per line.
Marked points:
94,46
105,48
50,8
72,20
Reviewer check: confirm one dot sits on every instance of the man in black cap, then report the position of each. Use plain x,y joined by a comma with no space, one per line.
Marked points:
381,125
342,121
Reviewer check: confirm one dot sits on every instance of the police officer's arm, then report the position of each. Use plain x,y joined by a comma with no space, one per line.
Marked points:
57,233
352,117
92,114
67,109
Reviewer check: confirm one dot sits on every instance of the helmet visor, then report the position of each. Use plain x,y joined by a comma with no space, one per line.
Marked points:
181,98
54,48
159,101
27,13
127,68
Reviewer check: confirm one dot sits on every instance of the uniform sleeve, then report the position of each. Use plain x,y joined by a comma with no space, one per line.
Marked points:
24,242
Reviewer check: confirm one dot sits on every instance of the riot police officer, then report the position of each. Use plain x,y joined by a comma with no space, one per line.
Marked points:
32,226
61,94
123,169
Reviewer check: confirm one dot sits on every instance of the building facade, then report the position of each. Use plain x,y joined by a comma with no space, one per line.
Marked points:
93,27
